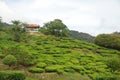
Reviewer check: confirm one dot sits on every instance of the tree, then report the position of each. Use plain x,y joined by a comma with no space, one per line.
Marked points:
16,22
9,60
56,27
108,41
17,30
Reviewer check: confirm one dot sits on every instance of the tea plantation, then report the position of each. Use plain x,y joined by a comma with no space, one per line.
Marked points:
65,58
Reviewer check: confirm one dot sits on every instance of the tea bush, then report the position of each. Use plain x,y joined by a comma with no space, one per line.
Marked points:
41,65
9,60
2,55
78,68
53,68
36,70
12,75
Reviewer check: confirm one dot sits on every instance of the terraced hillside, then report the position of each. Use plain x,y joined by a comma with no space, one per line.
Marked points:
43,55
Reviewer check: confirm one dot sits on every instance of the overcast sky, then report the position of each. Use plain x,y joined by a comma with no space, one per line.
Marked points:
90,16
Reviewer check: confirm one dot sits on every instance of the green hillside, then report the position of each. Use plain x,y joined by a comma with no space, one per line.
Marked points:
36,56
59,57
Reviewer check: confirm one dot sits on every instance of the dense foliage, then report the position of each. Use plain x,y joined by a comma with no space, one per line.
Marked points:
56,27
22,55
12,75
108,40
10,60
114,63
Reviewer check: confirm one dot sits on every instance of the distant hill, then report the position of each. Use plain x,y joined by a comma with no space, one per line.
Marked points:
81,36
118,33
4,25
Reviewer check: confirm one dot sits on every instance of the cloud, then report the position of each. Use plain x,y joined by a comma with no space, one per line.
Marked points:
5,11
91,16
8,13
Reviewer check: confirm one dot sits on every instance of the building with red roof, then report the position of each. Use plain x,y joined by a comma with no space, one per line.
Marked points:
32,27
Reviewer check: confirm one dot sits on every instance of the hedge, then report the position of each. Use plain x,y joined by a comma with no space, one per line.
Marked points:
41,65
12,75
36,70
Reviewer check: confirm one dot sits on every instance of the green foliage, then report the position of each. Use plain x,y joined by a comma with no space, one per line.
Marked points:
26,60
22,55
78,68
16,22
108,40
41,65
17,33
12,75
59,55
9,60
53,68
2,55
97,76
60,71
56,28
36,70
114,63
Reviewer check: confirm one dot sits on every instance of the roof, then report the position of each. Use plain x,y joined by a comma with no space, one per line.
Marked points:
32,25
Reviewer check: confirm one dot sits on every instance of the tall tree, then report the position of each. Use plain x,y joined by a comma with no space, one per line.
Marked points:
16,22
55,27
17,30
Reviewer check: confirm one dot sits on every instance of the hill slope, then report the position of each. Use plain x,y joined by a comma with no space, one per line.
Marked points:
60,55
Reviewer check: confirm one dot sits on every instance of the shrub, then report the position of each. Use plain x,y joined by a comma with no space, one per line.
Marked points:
78,68
50,61
12,75
27,60
60,71
41,65
22,55
105,77
69,70
2,55
108,40
97,76
75,61
36,70
114,63
9,60
53,68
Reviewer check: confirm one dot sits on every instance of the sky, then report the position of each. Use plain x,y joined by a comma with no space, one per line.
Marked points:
89,16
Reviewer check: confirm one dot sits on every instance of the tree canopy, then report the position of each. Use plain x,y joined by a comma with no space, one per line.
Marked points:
16,22
55,27
108,40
